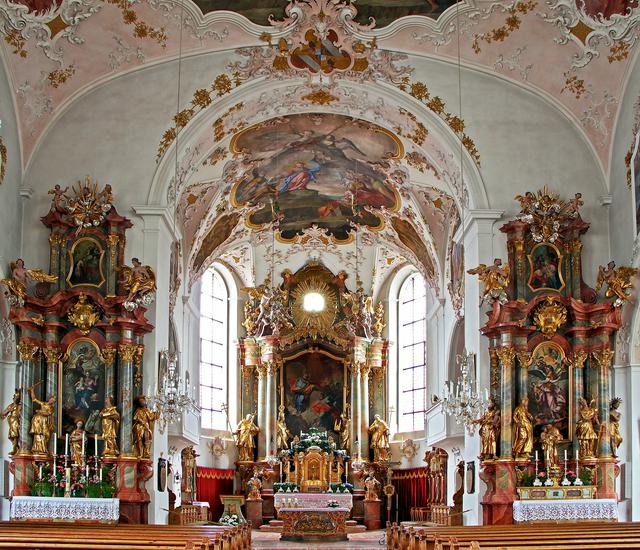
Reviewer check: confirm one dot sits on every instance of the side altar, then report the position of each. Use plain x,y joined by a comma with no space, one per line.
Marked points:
78,422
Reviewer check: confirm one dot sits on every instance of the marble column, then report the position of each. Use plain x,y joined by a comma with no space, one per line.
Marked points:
28,354
364,409
262,422
603,358
271,408
524,362
52,356
506,355
126,354
109,356
355,410
576,360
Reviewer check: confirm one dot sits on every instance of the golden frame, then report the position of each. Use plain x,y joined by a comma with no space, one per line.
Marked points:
72,263
560,268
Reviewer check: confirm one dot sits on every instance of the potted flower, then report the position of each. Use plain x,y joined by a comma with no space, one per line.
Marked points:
541,479
229,520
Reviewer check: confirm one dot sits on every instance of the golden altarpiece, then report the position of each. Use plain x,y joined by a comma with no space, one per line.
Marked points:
550,353
80,331
313,379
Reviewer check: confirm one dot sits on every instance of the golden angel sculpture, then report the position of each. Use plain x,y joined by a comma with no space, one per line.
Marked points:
549,439
379,431
110,424
140,282
41,424
342,426
12,414
144,420
489,424
246,432
271,313
495,279
586,428
614,425
378,320
283,434
522,430
16,284
618,281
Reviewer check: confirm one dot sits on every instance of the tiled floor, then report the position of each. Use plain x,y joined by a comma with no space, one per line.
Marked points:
371,540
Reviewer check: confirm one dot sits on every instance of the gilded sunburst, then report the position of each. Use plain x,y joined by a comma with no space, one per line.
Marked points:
313,323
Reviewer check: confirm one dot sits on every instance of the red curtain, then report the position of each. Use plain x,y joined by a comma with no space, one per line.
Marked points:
411,490
210,484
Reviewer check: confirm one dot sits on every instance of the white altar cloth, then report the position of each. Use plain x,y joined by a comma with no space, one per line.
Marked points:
61,508
313,500
560,510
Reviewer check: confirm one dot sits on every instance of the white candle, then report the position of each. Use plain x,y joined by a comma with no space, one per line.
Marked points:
86,470
82,444
66,444
536,455
577,455
55,444
486,394
96,446
565,455
40,472
101,475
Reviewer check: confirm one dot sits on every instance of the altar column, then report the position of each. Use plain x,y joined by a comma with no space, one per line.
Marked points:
52,356
577,360
524,362
506,356
603,358
261,370
354,369
126,353
109,356
272,408
27,353
364,408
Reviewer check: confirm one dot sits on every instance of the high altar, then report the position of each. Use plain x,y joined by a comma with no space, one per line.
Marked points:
80,334
551,351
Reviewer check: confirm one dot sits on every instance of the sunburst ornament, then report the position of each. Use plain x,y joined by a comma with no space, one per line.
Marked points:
314,307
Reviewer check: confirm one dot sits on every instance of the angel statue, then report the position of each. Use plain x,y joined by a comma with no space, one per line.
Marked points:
358,310
495,279
618,281
140,282
16,284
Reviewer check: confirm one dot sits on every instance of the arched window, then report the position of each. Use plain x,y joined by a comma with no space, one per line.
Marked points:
412,351
214,343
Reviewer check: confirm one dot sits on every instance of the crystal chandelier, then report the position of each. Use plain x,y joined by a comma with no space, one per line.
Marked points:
461,399
172,396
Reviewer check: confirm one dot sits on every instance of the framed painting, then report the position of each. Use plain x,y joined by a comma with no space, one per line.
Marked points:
86,261
549,389
81,386
545,268
313,392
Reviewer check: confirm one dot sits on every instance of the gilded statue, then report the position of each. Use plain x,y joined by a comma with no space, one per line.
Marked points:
283,434
585,429
110,424
246,432
618,281
76,442
255,486
144,420
489,424
522,430
139,281
495,279
549,439
614,425
378,320
17,283
371,486
358,310
379,442
188,457
12,414
41,424
342,426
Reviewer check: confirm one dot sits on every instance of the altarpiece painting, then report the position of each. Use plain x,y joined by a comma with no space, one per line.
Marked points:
86,263
545,263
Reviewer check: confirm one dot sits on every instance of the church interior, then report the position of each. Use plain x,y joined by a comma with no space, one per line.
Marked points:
319,274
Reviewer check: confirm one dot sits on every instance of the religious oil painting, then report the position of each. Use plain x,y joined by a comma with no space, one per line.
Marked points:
313,389
217,235
545,264
322,169
410,238
86,259
549,388
82,387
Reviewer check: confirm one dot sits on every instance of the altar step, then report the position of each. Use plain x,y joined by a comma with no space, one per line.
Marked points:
275,526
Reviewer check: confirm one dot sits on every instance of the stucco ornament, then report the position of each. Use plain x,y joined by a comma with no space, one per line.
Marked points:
409,449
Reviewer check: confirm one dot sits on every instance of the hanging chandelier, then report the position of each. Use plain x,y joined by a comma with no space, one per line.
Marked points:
461,399
172,396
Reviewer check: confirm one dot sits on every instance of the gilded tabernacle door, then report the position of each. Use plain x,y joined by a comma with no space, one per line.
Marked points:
81,380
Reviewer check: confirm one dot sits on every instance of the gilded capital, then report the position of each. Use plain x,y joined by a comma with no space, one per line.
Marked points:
109,355
113,240
577,359
127,352
52,354
506,356
27,351
525,359
603,357
261,370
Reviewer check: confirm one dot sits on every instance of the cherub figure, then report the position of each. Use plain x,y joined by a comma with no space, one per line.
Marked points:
17,283
618,281
138,281
58,200
495,279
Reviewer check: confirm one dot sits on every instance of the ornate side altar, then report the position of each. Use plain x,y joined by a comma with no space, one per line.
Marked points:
80,349
550,353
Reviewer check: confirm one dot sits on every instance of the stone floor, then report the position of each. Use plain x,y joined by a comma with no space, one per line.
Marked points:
369,540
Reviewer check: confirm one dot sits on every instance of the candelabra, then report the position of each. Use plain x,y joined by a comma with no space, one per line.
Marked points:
460,398
172,397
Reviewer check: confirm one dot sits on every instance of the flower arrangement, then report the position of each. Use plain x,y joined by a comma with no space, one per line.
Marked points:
231,520
285,487
332,504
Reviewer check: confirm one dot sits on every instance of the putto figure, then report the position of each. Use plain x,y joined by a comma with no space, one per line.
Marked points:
618,281
12,414
245,432
495,279
16,284
144,420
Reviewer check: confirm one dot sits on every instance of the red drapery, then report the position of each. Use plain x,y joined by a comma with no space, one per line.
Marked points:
210,484
411,488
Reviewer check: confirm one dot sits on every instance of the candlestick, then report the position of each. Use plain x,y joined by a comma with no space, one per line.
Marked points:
55,444
86,472
40,472
66,444
536,456
82,454
565,455
67,482
95,438
100,475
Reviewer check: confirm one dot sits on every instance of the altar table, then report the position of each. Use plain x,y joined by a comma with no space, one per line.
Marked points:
603,509
104,510
313,500
314,524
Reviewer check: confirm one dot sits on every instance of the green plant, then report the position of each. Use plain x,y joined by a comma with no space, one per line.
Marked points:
42,489
527,479
586,476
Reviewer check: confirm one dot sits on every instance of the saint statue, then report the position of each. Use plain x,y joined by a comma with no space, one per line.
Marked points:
12,414
282,431
110,424
489,424
614,425
17,283
371,485
585,430
144,420
549,439
138,280
76,441
41,424
246,431
254,485
495,279
342,425
522,430
379,431
188,457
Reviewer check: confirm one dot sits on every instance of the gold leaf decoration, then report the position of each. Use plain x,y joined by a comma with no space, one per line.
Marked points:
83,315
549,316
